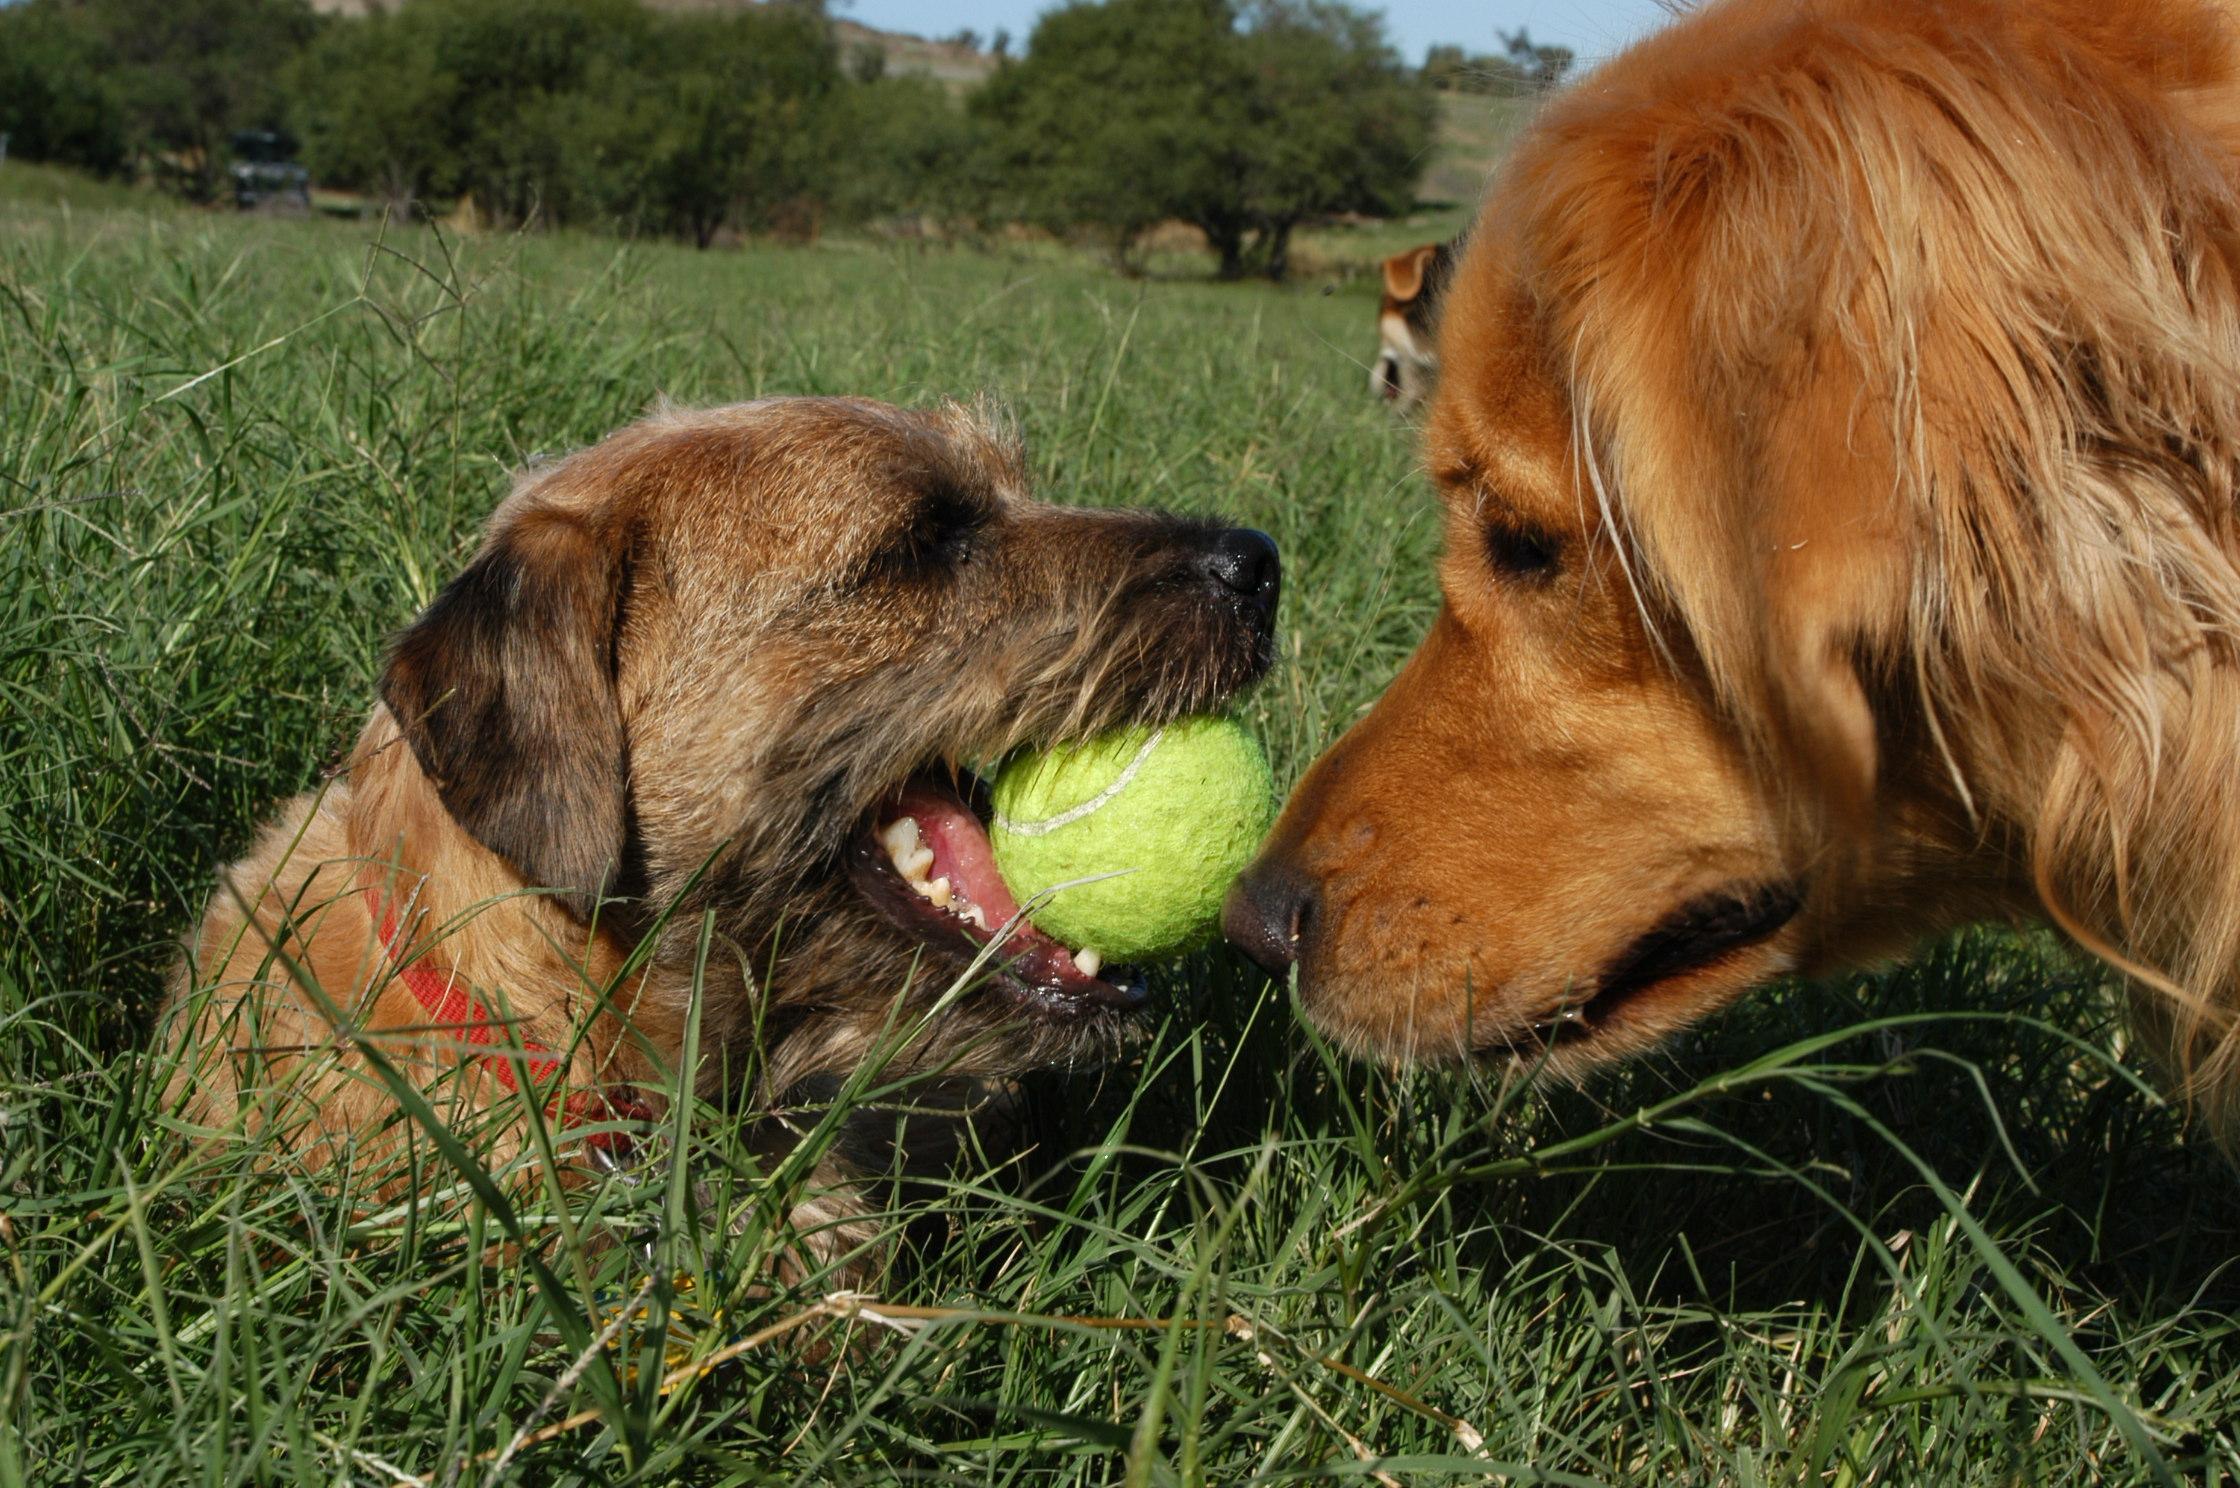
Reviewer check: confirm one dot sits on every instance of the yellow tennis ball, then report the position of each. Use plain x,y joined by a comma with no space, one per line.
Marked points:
1171,814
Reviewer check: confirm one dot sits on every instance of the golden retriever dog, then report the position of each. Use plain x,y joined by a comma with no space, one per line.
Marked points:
706,693
1414,292
1838,434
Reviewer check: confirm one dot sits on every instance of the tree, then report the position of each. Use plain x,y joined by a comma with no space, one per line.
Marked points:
1242,121
1525,69
902,148
593,111
479,99
188,73
867,64
715,121
516,74
1544,65
1102,127
54,104
374,109
1335,123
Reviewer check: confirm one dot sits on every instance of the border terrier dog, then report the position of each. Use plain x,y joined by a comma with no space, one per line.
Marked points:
723,674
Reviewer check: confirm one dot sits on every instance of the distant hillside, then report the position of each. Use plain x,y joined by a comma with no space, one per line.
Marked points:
1475,132
951,63
945,60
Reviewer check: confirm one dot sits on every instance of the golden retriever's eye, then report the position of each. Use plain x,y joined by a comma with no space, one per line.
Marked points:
936,539
1519,550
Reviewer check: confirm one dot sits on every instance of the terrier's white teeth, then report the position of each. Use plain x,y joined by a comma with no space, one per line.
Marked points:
906,848
900,837
1088,962
939,892
977,915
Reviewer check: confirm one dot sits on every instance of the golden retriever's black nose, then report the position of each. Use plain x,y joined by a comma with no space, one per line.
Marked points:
1245,563
1267,910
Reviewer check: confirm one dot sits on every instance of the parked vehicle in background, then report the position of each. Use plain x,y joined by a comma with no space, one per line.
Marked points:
266,174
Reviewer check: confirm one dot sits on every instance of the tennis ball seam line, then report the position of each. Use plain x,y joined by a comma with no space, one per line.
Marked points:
1095,803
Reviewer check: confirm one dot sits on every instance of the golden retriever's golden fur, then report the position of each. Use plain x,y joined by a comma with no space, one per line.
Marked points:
1839,430
687,675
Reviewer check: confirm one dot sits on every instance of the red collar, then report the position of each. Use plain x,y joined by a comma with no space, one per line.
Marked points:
451,1008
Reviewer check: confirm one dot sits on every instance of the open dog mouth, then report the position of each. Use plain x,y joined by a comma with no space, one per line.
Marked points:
923,860
1696,937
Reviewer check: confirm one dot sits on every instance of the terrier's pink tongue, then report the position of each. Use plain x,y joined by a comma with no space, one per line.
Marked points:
961,851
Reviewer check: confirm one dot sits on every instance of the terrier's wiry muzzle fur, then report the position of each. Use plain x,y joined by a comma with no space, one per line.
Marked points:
673,689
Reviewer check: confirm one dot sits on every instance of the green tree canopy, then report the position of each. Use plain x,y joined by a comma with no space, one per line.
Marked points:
1334,123
912,154
55,103
99,82
1244,120
593,111
1101,126
713,121
373,109
500,86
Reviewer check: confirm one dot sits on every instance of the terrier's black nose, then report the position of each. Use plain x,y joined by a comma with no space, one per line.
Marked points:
1245,563
1267,911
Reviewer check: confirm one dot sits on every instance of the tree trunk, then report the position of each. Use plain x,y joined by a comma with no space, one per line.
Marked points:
1277,236
1227,241
1124,251
1225,236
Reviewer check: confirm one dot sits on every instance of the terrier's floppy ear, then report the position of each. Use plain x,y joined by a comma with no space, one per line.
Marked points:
1404,272
505,690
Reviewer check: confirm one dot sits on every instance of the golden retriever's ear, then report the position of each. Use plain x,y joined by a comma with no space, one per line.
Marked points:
1831,723
505,690
1403,272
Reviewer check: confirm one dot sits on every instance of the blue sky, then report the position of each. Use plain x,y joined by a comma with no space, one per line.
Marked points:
1592,28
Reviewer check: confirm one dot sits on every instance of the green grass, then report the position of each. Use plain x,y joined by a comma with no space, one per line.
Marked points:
28,186
1918,1228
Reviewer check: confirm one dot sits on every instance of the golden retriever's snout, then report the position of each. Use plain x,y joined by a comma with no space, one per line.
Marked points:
1265,914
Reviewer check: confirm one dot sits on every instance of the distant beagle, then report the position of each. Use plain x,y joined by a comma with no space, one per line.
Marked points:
1415,282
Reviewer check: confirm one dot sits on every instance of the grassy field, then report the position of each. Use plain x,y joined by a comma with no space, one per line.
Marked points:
1919,1228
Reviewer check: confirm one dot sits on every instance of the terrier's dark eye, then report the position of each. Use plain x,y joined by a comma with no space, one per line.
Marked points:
1519,550
937,537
